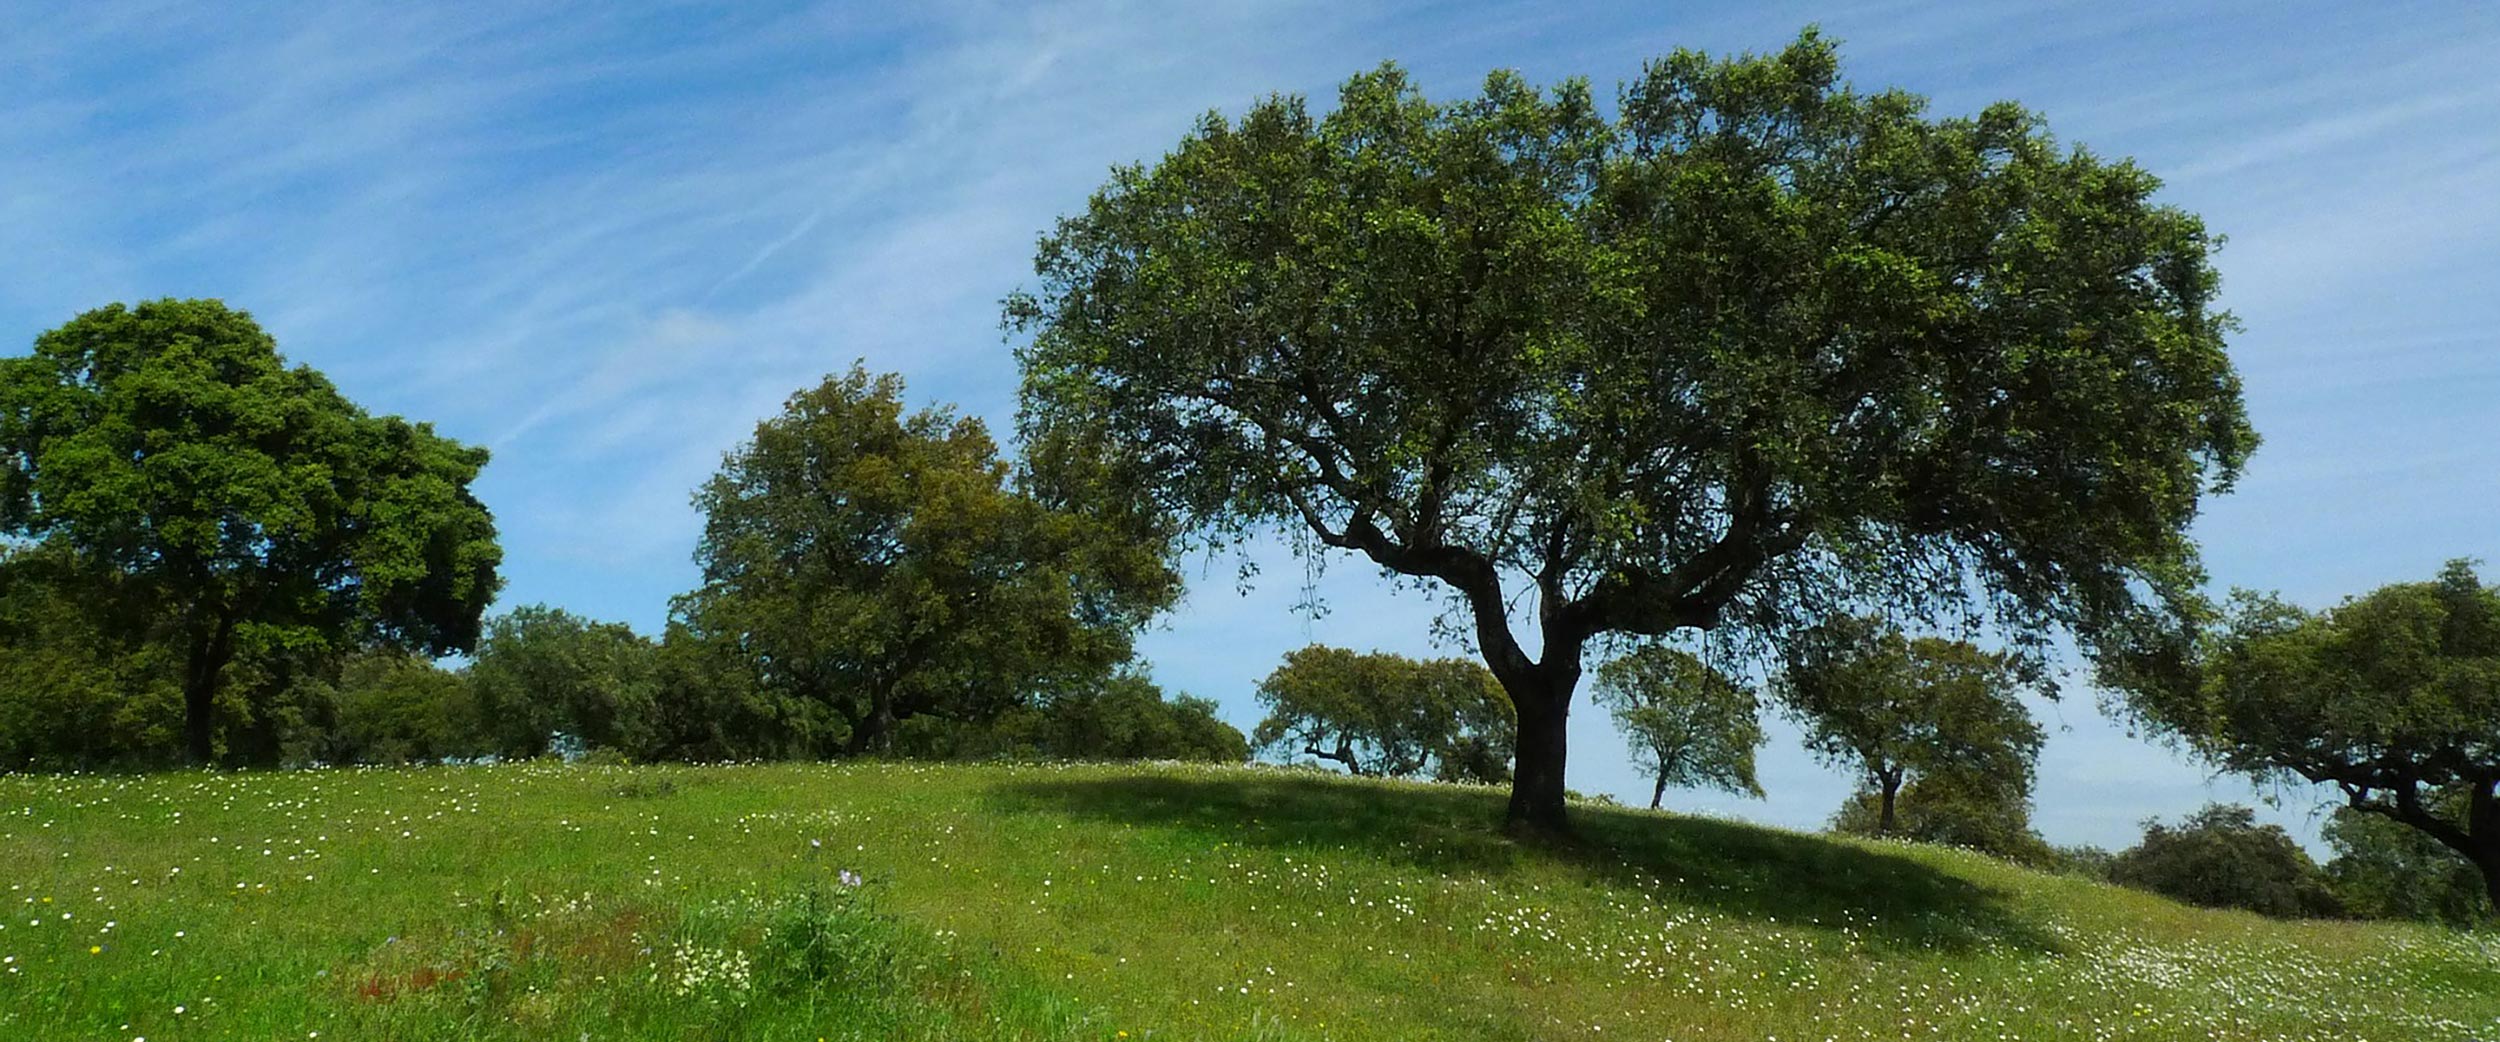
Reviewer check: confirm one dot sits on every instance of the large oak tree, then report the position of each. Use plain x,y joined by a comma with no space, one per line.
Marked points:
252,502
1749,344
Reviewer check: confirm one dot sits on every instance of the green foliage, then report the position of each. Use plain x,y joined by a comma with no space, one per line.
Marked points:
76,689
1757,346
542,670
393,707
1122,717
1952,810
2084,860
713,706
2393,697
254,505
1690,725
1901,709
1387,715
2219,857
1127,718
2384,869
870,567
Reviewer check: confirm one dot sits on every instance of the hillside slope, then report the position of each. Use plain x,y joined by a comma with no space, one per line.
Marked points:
885,901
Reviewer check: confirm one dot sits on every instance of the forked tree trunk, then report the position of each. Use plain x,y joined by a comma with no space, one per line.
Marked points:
1344,755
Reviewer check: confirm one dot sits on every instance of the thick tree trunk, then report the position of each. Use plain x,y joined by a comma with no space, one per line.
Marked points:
1536,785
1658,792
199,704
208,658
873,733
1884,819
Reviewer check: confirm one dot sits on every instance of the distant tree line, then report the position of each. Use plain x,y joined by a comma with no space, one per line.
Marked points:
540,675
214,557
2220,857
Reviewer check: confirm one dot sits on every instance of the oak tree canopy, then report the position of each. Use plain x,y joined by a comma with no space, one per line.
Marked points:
253,503
1747,344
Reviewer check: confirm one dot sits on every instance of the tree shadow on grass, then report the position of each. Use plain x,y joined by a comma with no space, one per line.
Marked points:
1890,901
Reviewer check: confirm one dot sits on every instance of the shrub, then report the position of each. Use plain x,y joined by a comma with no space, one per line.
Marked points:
2087,861
2219,857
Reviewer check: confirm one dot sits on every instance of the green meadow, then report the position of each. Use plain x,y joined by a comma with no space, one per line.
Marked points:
879,901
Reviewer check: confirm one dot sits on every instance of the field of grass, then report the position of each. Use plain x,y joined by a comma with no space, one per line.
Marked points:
898,901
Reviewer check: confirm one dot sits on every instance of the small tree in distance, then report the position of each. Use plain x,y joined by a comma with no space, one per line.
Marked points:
393,707
1952,810
542,670
1387,715
1690,725
1127,717
1899,709
2219,857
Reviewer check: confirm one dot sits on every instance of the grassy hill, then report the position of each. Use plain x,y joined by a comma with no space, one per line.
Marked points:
540,901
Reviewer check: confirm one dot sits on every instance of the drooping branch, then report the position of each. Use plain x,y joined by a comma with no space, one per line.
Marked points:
2402,803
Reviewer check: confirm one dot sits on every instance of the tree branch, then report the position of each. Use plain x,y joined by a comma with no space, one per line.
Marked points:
2408,809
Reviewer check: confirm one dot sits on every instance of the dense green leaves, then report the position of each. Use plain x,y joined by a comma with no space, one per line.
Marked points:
541,671
2393,697
1751,347
2385,869
1123,717
257,507
77,687
1690,725
2219,857
392,707
1387,715
868,566
1899,709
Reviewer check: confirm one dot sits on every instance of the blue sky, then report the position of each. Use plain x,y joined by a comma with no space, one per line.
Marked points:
606,239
